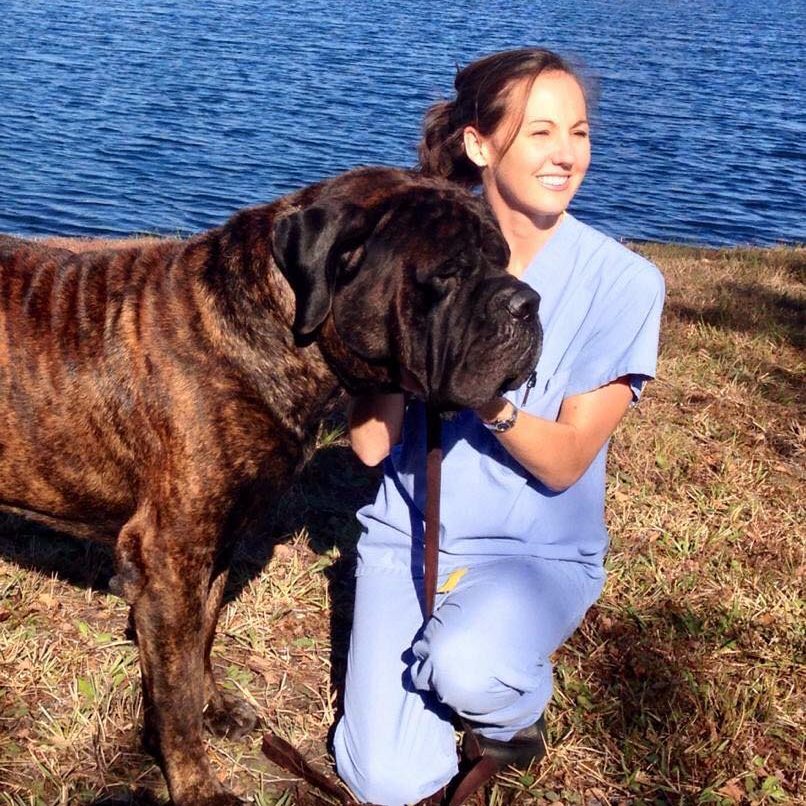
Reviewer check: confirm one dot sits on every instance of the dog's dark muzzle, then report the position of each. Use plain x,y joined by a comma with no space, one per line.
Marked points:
523,303
507,297
520,305
514,307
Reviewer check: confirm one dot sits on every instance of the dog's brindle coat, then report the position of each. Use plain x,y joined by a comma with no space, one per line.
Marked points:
152,394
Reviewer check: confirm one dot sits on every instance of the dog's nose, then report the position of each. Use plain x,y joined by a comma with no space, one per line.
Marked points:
523,304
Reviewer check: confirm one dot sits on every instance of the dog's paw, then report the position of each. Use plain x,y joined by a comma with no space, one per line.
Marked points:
231,717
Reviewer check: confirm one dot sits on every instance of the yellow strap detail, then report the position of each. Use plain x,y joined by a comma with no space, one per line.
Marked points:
453,580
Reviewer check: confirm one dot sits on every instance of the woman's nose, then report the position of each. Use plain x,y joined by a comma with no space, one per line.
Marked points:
563,152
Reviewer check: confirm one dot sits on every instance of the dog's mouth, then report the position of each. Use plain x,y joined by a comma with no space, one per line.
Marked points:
516,382
478,368
412,385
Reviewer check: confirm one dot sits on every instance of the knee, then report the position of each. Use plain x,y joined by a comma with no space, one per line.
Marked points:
462,673
385,785
375,777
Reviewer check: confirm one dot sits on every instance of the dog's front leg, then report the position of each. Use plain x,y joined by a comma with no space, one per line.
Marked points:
165,574
224,713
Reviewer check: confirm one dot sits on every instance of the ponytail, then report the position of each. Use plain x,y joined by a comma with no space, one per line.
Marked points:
442,150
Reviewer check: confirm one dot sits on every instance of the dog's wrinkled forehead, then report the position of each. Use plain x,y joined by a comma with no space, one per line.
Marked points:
376,229
435,224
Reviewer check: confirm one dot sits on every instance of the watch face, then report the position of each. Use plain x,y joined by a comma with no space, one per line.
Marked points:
503,425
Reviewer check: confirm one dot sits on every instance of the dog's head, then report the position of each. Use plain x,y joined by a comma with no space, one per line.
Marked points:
402,281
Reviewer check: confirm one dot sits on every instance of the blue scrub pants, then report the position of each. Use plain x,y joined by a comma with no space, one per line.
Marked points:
484,654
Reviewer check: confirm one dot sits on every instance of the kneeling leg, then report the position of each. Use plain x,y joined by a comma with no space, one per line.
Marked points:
485,652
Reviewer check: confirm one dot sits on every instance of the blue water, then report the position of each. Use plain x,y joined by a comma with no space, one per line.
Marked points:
167,115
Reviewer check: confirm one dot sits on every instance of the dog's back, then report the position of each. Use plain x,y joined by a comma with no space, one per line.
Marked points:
77,349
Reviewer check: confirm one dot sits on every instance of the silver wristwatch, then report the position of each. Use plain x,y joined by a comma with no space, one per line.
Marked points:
499,426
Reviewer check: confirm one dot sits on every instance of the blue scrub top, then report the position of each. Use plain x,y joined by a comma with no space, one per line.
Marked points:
600,310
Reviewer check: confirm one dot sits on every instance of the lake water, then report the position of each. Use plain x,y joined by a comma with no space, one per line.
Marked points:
165,116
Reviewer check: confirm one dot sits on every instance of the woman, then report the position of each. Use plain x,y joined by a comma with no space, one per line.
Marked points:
522,539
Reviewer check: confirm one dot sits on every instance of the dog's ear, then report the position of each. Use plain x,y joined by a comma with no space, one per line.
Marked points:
307,246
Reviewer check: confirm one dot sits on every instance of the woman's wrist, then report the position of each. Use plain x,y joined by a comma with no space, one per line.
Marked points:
498,415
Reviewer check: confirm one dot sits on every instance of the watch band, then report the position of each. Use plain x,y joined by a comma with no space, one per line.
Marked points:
503,424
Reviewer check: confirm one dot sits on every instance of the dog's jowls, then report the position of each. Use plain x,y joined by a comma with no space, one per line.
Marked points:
153,394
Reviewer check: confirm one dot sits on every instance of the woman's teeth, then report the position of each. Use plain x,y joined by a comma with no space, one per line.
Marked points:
553,181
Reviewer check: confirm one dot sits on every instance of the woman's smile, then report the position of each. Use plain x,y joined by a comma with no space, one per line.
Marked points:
554,181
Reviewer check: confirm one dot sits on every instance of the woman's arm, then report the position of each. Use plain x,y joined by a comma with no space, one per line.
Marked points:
374,425
558,453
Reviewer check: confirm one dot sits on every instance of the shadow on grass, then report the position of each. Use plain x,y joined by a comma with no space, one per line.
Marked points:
750,308
781,386
680,695
37,548
323,502
137,797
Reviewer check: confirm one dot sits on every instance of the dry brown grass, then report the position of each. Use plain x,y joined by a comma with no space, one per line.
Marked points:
684,685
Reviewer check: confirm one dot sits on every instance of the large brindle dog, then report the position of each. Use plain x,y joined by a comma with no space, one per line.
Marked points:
151,395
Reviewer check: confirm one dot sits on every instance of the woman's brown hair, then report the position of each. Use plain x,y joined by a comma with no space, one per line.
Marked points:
483,93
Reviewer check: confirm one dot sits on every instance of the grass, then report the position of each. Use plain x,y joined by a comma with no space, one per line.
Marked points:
685,683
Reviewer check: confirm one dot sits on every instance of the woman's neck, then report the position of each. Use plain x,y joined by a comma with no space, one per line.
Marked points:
526,235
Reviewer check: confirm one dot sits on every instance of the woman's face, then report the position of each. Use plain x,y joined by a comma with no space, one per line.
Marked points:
544,166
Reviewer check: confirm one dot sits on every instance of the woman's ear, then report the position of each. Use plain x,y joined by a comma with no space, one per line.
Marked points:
475,147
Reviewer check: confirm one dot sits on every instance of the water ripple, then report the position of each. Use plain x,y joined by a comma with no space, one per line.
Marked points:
167,116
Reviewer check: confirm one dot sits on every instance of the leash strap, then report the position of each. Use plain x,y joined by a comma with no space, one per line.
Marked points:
289,758
475,778
484,767
433,482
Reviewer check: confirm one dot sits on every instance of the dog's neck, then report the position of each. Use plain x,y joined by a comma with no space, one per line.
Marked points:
357,375
253,309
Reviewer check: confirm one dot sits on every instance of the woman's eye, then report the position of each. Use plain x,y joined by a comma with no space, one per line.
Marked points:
582,134
541,133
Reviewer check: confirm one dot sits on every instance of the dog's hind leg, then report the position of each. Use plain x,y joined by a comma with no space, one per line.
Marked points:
174,565
224,713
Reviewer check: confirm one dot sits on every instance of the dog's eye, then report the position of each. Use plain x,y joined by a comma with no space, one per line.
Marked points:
436,283
351,261
450,268
440,275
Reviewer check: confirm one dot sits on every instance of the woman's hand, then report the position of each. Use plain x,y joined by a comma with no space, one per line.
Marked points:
558,453
374,425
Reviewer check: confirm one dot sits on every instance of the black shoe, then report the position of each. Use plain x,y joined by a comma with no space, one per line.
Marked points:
527,745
